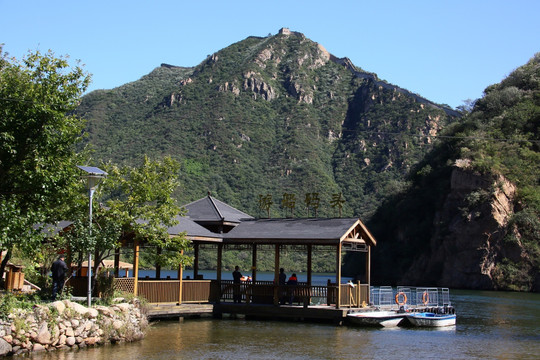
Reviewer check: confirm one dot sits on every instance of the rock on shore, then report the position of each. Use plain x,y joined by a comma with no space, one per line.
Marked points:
66,324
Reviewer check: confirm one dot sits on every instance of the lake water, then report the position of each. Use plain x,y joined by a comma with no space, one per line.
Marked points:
316,278
490,325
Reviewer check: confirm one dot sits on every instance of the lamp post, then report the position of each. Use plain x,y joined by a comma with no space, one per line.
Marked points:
93,175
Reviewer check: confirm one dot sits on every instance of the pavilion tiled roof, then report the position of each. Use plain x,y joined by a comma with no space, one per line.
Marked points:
314,230
210,209
193,230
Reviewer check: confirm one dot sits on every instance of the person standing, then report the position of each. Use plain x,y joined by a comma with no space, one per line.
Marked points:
58,270
237,296
282,291
292,282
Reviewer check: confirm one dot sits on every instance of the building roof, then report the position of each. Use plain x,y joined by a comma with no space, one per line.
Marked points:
109,264
301,231
193,230
211,210
50,230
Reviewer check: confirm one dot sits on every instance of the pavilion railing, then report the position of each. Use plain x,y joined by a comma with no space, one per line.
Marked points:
265,291
159,291
124,284
261,292
354,295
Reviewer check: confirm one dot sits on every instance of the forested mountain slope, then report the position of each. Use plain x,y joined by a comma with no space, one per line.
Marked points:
270,115
471,218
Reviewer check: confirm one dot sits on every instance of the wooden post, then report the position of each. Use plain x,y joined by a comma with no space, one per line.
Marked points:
219,261
338,275
218,273
309,263
368,267
158,266
69,261
136,266
358,293
117,262
195,261
254,264
276,276
180,281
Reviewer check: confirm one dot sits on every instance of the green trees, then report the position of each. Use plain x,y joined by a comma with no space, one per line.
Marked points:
139,207
39,182
37,137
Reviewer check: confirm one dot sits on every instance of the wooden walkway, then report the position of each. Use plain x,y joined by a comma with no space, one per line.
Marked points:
163,311
322,313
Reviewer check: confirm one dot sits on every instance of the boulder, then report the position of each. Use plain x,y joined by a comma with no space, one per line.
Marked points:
59,306
5,347
70,340
104,310
124,307
78,308
43,334
8,338
38,347
92,313
117,324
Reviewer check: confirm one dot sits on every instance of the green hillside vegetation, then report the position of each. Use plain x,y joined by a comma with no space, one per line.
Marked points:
499,137
268,116
265,116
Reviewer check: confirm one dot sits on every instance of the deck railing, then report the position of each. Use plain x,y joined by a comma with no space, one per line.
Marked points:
261,292
168,291
265,291
388,297
162,291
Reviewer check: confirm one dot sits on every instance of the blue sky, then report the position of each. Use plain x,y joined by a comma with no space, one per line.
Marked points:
446,51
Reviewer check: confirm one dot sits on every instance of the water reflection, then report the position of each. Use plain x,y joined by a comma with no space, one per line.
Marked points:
490,325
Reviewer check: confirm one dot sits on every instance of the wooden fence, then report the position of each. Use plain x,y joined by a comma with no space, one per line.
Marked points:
260,292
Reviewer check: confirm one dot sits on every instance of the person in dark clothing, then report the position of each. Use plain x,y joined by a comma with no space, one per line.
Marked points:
58,270
292,282
237,296
282,282
282,276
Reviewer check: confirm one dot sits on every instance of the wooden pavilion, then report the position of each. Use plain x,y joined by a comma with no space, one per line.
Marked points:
210,221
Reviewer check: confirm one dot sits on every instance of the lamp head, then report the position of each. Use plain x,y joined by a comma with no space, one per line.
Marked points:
93,174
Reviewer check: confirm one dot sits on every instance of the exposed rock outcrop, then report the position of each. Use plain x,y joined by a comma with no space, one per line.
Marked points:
469,230
259,88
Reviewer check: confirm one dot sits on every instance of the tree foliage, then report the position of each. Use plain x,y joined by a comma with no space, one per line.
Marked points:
138,207
37,143
498,137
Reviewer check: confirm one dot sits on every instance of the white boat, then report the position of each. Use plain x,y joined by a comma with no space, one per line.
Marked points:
430,319
376,318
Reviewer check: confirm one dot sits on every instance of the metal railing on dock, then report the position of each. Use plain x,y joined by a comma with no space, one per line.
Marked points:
415,297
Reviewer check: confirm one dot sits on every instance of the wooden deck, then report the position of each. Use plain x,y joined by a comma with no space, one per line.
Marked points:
318,313
164,311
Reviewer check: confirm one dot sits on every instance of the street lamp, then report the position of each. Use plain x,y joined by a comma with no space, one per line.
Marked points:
93,175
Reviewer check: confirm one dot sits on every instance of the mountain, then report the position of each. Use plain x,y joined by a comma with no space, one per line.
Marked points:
270,115
471,217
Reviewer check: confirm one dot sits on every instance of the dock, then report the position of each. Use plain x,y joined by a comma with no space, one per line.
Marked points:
171,311
319,313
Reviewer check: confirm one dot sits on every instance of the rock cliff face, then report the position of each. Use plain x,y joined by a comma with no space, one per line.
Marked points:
468,242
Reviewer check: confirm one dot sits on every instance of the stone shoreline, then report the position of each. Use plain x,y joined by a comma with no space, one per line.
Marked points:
69,325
